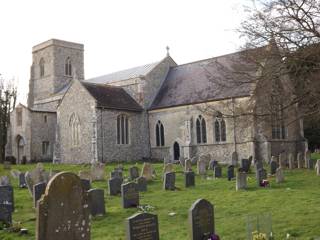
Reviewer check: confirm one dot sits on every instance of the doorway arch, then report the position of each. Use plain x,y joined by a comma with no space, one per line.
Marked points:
176,151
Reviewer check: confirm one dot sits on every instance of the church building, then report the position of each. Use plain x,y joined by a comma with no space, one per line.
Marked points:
157,111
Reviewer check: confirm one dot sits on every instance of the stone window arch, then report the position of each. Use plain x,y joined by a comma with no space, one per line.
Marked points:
122,129
75,127
42,68
159,134
201,130
68,67
277,123
220,129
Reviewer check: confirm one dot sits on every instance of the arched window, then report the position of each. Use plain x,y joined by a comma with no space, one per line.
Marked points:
278,125
159,134
75,128
41,64
201,130
220,130
68,67
122,129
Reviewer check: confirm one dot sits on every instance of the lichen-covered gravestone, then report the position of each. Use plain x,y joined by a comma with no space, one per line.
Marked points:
168,168
142,226
38,191
189,179
201,167
6,204
147,171
241,182
279,175
234,159
169,181
300,159
114,185
63,211
133,172
97,171
188,165
201,220
96,199
317,167
291,161
130,195
35,176
307,158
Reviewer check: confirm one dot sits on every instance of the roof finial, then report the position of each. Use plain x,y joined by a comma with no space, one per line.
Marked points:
168,51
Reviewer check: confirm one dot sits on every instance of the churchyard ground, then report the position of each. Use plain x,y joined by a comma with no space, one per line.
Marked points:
294,205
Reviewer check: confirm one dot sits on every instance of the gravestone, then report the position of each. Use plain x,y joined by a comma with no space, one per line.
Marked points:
168,168
96,200
133,172
261,174
217,171
291,161
15,173
212,164
300,160
194,160
273,167
85,174
245,165
282,159
241,182
279,175
188,165
142,226
169,181
4,181
115,186
201,167
130,195
6,204
317,167
147,171
116,174
230,172
189,179
307,159
6,165
86,184
201,220
234,159
63,212
182,161
38,190
98,171
142,184
22,180
35,176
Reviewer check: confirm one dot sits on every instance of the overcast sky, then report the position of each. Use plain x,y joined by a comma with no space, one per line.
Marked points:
117,34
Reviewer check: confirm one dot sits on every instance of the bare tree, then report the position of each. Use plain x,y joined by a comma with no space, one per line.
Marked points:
8,94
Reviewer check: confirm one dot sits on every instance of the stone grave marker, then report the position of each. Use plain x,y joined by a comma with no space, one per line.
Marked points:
182,161
201,167
307,158
317,167
245,165
115,186
4,181
201,220
63,212
142,226
300,160
188,165
147,171
86,184
234,159
212,164
22,180
241,182
85,174
273,167
98,171
189,179
15,173
279,175
142,184
169,181
96,200
261,174
291,161
230,172
35,176
38,191
7,165
116,174
130,195
168,168
133,172
217,171
6,204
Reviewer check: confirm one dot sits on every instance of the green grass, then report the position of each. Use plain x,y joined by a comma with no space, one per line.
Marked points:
294,205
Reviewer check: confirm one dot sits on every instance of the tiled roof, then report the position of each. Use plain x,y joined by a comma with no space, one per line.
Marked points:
124,74
206,80
112,97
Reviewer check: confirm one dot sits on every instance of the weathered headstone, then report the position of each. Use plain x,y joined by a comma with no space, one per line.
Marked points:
201,220
230,172
168,168
133,172
217,171
63,212
307,159
147,171
6,165
245,165
130,195
85,174
201,167
317,167
261,175
35,176
6,204
300,160
291,161
38,191
115,186
142,184
169,181
22,180
189,179
188,165
116,174
279,175
273,167
96,200
182,161
4,181
234,159
241,180
98,171
212,164
86,184
142,226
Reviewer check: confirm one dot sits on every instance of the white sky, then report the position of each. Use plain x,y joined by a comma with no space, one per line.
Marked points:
117,34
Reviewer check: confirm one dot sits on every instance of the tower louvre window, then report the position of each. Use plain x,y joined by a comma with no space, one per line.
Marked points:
68,67
41,64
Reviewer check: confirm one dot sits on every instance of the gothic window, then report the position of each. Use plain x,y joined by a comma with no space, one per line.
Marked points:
220,130
277,123
45,118
41,67
201,130
159,134
122,129
68,67
19,116
75,128
45,148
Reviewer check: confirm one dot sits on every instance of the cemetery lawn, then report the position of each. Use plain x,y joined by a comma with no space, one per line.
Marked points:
294,205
